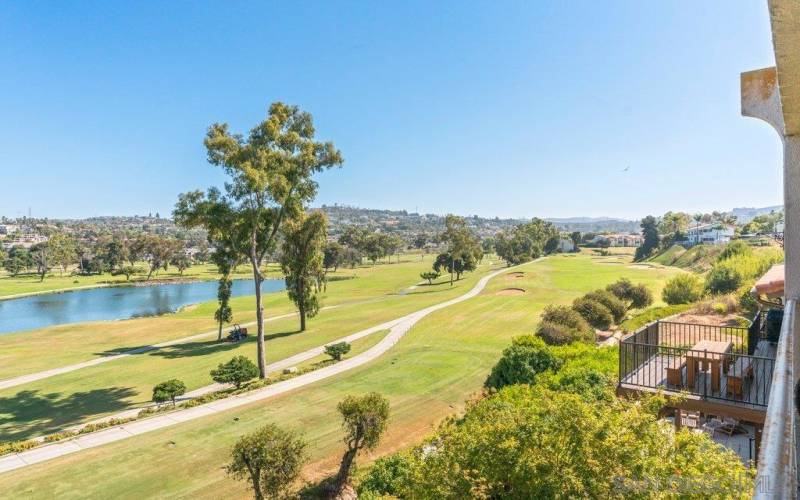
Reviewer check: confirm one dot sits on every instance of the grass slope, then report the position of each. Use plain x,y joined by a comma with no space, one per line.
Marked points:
426,376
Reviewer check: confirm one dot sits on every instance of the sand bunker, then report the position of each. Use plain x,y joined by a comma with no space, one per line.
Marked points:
506,292
515,275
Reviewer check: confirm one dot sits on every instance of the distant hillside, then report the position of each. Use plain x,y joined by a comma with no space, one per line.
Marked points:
596,224
699,258
745,214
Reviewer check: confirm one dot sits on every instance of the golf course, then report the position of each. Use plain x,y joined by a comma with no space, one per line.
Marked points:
430,372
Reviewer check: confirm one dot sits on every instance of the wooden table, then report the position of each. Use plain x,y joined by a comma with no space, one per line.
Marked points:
706,353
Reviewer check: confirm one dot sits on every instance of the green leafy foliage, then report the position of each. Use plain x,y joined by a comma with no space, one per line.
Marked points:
430,276
595,313
533,442
562,325
615,305
168,391
636,296
521,362
237,371
526,241
336,351
304,239
364,419
683,288
270,459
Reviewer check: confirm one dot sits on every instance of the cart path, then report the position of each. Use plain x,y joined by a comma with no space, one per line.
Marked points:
32,377
397,329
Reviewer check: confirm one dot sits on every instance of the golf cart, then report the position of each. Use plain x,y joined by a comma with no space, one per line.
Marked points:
237,334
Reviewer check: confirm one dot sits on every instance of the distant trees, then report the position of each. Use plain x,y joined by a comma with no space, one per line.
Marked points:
650,238
302,262
333,256
41,257
237,371
181,261
575,236
224,313
168,391
270,459
364,420
271,179
17,260
463,248
63,250
526,241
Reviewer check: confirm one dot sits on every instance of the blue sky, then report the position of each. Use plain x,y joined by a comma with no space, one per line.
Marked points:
493,108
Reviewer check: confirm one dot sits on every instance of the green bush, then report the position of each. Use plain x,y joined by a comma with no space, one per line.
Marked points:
566,316
735,248
555,334
723,279
616,306
387,476
520,363
636,296
430,276
595,313
236,371
683,289
336,351
168,391
747,303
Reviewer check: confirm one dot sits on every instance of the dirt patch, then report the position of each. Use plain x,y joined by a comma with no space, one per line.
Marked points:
509,292
708,319
515,275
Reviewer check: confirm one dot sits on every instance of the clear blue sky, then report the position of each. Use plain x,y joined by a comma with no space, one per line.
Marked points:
492,108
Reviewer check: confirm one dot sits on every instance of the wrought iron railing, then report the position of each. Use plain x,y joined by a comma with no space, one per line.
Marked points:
661,355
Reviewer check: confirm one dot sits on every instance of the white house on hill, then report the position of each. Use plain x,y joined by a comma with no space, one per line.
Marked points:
709,234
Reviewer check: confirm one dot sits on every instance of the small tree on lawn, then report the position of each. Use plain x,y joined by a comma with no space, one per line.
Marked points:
270,459
237,371
224,314
302,262
430,276
168,391
364,421
336,351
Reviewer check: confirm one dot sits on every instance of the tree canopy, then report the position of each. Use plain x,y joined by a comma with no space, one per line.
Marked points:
304,240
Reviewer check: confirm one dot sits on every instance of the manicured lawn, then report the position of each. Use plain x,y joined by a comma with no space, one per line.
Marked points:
65,400
427,376
28,352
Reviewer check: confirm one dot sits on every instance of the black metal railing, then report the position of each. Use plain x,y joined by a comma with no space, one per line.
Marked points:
662,355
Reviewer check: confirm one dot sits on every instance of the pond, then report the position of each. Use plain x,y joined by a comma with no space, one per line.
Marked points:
113,303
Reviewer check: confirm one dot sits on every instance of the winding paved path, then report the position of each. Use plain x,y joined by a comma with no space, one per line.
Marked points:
397,328
32,377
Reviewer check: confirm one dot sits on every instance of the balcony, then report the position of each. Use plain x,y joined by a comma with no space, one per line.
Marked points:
719,370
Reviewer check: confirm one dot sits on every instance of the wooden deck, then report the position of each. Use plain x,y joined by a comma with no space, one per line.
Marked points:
652,374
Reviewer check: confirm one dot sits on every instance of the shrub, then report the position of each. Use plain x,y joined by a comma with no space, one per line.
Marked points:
520,363
616,306
637,296
430,276
735,248
621,288
595,313
590,383
168,391
683,289
387,476
555,334
723,279
640,297
747,303
236,371
336,351
566,316
652,314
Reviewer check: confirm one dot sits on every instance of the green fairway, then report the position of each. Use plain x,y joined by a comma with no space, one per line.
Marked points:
52,404
427,376
33,351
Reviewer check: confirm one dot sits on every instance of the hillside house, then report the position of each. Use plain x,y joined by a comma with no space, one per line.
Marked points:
710,234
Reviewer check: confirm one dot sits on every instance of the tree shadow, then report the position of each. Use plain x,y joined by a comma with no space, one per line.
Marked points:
30,413
191,349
